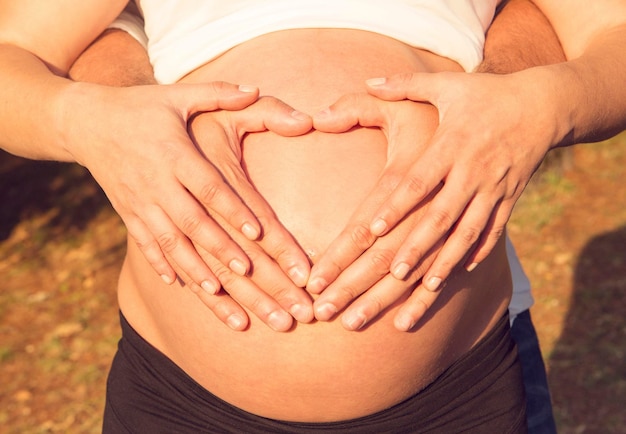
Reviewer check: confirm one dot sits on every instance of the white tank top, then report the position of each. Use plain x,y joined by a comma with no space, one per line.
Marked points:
183,35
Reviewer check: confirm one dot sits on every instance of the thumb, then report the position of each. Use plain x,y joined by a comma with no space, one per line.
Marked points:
352,110
272,114
417,86
193,98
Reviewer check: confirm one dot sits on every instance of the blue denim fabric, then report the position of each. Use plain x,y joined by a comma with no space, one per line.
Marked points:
538,404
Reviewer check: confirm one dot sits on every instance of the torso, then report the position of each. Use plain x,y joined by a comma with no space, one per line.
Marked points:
318,371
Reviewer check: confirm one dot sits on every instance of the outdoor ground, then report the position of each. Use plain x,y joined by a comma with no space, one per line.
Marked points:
61,247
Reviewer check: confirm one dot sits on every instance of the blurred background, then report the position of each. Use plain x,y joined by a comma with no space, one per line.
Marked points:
61,247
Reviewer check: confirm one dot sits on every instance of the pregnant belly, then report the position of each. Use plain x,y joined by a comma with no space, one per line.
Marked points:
317,371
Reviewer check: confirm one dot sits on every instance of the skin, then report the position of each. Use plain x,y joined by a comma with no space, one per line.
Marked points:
166,230
165,211
205,126
314,184
476,188
308,372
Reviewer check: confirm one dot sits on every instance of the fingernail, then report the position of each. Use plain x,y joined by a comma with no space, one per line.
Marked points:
279,320
247,88
235,322
167,279
299,115
376,81
209,287
401,270
432,284
378,227
238,267
301,312
250,231
297,276
471,267
404,322
316,285
354,321
325,312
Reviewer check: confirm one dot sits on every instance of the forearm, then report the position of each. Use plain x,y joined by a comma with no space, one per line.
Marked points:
590,89
114,59
587,91
31,108
520,37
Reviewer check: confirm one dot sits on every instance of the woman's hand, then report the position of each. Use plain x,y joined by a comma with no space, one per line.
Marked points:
136,144
494,131
353,273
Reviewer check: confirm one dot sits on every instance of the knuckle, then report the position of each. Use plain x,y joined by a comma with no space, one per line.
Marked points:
441,221
347,293
470,235
391,180
169,241
361,236
413,253
497,233
191,224
416,185
381,260
375,305
224,275
210,193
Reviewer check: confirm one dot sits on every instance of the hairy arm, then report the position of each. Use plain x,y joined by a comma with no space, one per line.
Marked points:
520,37
115,58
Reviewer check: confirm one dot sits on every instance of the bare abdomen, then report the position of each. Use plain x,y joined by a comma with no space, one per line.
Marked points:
319,371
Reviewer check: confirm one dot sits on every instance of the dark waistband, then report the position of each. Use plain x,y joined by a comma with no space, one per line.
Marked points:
483,387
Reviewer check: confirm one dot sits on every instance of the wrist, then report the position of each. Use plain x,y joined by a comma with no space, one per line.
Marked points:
71,111
556,99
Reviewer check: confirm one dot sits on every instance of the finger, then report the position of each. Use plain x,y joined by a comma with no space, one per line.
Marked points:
207,185
277,241
343,251
225,309
221,304
354,239
193,98
266,289
353,281
492,233
418,86
349,111
388,292
283,248
177,247
414,308
434,226
197,226
245,292
462,239
271,114
268,276
150,248
422,179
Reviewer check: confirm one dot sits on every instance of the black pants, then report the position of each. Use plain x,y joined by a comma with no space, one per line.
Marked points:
480,393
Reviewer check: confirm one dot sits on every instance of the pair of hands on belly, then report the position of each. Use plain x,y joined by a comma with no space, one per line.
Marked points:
466,177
